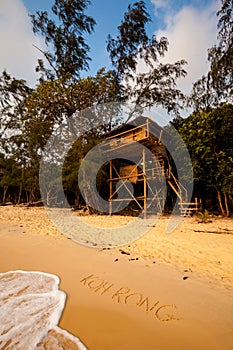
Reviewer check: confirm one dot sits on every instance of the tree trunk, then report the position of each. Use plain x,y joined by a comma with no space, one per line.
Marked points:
48,198
21,185
220,203
5,188
20,193
226,205
77,200
32,197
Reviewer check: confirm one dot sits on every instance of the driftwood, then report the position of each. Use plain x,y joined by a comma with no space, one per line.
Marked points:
28,204
226,232
34,203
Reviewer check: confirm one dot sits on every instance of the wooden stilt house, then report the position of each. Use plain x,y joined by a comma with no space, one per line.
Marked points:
144,164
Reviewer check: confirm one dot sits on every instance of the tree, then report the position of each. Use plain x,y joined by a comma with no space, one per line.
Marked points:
67,52
216,86
12,95
158,85
208,138
10,180
220,56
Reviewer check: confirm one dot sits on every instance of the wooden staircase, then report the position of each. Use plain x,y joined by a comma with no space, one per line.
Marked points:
189,208
186,208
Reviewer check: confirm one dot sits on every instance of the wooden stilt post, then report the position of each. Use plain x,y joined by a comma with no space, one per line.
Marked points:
144,181
163,200
110,187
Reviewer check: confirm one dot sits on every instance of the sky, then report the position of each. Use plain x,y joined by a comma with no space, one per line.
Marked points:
190,27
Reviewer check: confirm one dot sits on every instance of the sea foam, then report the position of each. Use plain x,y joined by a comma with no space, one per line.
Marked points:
31,305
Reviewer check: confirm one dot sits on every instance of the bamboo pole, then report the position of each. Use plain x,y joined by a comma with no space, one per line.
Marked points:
145,184
110,188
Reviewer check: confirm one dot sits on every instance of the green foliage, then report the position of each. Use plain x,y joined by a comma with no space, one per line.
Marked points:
203,217
133,43
52,102
208,136
12,91
67,52
216,87
220,56
11,172
158,85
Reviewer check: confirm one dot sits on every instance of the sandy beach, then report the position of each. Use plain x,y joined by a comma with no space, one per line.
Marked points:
163,291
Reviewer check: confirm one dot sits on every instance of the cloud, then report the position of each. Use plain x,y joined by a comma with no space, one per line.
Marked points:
18,56
190,33
160,3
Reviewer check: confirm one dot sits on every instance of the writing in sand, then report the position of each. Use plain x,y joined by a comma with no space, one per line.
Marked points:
124,295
